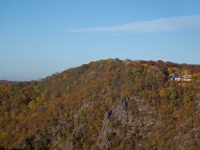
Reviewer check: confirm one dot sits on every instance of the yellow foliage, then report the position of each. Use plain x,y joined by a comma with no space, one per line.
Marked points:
32,104
184,84
185,72
163,92
153,143
169,70
4,135
103,90
93,147
160,75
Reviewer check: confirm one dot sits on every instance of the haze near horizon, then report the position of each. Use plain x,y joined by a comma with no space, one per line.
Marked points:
39,38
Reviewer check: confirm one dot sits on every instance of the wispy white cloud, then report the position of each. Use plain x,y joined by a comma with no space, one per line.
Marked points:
158,25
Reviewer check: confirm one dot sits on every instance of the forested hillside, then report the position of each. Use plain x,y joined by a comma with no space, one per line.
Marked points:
107,104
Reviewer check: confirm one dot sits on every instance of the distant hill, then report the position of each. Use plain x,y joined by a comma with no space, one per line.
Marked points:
3,81
106,104
7,81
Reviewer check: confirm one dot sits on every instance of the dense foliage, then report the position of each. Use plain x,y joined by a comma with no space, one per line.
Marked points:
69,107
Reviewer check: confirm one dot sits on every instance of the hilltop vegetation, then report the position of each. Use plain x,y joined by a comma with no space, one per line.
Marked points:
69,110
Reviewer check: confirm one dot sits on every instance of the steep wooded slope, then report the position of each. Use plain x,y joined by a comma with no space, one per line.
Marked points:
108,104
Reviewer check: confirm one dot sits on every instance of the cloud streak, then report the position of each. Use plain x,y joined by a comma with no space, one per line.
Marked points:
158,25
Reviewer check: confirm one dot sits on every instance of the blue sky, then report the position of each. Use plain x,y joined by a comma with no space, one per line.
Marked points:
39,38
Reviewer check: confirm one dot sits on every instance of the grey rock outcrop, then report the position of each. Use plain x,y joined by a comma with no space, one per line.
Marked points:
188,133
131,113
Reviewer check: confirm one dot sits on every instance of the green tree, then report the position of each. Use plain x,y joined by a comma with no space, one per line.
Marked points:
171,93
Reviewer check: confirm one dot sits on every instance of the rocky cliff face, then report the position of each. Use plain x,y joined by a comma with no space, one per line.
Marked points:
133,121
130,118
188,132
84,108
130,123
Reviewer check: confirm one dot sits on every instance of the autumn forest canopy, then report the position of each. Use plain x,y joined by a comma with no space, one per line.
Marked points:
106,104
